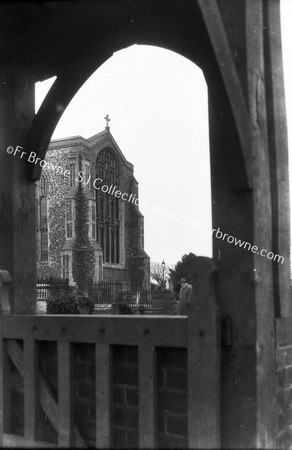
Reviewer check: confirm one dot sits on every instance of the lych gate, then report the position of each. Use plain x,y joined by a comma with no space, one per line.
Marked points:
237,45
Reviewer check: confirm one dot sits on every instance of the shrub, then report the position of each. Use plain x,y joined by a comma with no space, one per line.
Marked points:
124,309
63,303
83,252
85,302
45,271
141,309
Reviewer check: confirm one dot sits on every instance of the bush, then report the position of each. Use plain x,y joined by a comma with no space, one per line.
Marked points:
124,309
85,302
45,271
63,303
141,309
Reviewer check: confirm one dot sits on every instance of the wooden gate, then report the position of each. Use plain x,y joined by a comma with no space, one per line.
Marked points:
198,334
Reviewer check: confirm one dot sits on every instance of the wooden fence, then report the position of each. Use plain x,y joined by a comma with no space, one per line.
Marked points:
199,334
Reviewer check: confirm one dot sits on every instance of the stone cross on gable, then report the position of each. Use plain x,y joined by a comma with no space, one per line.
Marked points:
107,122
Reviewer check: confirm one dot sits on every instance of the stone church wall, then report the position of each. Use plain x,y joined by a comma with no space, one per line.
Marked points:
59,155
58,192
116,275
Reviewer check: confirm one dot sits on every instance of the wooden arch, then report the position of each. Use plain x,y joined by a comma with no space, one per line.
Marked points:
237,44
214,57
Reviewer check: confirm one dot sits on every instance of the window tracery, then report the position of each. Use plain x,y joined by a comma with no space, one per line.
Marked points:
108,208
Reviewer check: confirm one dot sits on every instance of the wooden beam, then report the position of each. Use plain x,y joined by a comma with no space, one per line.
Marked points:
103,395
65,400
30,383
217,33
59,96
15,441
147,397
143,330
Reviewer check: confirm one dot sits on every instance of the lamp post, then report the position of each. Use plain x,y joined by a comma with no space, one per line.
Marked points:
163,268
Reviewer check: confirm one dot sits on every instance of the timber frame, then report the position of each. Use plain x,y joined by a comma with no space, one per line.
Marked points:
237,44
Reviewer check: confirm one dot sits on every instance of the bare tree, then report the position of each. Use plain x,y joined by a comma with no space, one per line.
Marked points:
156,272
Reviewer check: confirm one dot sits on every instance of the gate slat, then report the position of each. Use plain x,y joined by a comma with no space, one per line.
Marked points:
103,397
147,397
4,392
29,379
65,401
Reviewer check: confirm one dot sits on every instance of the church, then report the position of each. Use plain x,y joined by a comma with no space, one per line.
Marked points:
115,223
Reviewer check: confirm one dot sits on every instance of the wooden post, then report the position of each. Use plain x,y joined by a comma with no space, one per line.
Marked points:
65,400
204,360
29,375
4,392
5,281
278,154
147,397
103,395
17,202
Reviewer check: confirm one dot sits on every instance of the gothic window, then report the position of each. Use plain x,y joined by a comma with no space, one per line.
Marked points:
108,208
69,218
93,221
72,170
65,264
43,186
87,174
142,235
43,220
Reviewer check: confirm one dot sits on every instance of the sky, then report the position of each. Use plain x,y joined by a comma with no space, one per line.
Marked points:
157,102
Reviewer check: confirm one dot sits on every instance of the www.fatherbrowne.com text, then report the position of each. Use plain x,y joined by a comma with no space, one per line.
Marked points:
131,198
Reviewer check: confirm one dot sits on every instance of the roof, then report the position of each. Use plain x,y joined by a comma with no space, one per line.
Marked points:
104,138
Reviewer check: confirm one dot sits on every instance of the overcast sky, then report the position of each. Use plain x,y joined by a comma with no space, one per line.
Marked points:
157,102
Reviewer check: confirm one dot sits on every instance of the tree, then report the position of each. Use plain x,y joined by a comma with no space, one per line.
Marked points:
184,268
156,272
137,271
83,253
46,271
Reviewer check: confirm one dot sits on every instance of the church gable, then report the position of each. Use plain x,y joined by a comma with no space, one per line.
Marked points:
105,140
115,224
